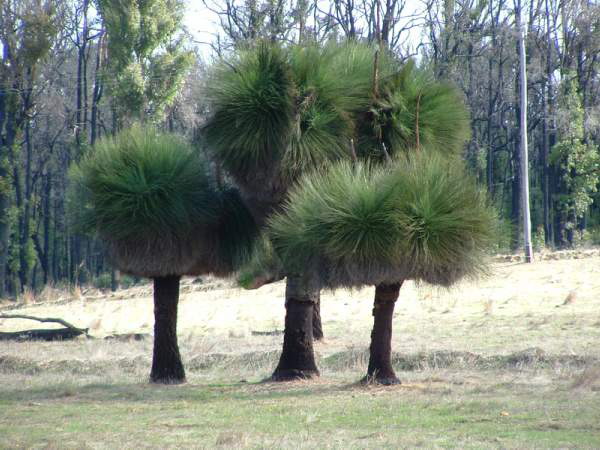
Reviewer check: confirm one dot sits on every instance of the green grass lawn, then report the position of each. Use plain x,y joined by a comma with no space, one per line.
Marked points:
432,409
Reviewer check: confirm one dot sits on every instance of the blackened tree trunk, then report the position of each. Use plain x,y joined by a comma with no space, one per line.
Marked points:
45,260
297,359
166,361
115,280
380,352
98,90
317,326
25,222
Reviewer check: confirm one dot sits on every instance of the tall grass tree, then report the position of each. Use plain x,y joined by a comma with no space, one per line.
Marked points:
420,218
279,113
149,197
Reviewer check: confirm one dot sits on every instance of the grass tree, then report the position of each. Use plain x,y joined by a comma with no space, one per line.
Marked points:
148,196
278,112
420,218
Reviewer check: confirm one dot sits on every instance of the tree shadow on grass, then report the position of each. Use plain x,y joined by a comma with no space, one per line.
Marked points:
152,393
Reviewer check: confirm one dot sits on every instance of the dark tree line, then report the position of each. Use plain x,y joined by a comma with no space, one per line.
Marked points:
68,77
72,72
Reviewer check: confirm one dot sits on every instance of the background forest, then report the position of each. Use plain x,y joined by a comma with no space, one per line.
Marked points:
73,71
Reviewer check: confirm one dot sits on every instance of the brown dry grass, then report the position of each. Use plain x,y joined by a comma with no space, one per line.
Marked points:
551,304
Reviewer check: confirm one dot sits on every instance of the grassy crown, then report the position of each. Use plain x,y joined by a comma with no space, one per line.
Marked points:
252,102
148,195
142,183
282,111
413,110
277,112
447,225
421,218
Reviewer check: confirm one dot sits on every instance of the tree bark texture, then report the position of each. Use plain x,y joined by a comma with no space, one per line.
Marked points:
317,326
380,369
166,361
297,359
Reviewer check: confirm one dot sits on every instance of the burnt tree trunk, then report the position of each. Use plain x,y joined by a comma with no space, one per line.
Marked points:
297,359
316,320
166,361
380,352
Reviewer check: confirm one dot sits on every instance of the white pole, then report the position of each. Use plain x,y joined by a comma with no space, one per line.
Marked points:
524,151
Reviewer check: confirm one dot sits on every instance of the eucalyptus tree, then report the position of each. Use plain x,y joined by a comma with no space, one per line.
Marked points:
150,199
27,33
147,60
418,218
575,161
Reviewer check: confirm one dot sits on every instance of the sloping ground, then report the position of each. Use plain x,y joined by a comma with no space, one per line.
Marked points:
553,305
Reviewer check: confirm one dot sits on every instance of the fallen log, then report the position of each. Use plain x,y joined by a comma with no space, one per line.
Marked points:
55,334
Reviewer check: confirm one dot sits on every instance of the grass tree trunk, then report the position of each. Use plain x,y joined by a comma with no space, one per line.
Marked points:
380,352
166,361
297,359
317,326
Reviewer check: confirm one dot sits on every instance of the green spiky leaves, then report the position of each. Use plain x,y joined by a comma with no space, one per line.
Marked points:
446,223
413,110
142,183
253,106
149,197
278,112
281,111
421,218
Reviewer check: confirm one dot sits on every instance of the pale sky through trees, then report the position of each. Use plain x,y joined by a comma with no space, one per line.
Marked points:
199,20
203,24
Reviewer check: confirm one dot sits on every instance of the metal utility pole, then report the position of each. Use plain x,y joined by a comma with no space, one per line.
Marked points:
524,151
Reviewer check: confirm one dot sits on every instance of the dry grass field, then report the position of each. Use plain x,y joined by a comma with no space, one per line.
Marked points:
511,361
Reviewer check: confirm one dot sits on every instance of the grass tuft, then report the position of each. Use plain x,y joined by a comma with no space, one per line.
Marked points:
149,196
413,110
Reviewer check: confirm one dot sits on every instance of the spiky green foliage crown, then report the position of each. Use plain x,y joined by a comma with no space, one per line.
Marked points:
421,218
277,112
447,224
413,110
142,183
252,98
149,196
